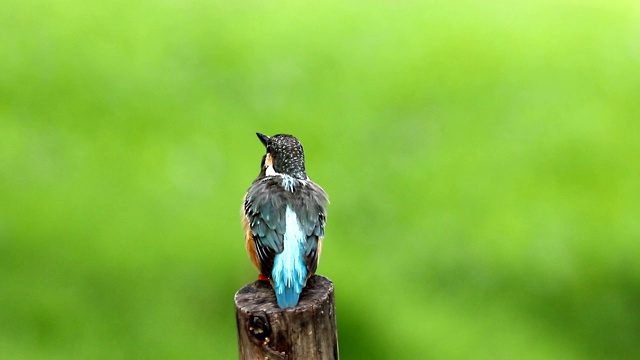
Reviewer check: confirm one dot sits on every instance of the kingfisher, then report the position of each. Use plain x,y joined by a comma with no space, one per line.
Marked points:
283,216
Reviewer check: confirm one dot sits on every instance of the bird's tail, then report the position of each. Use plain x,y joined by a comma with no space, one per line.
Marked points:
289,276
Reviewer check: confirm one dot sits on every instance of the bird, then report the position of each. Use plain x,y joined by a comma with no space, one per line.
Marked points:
284,216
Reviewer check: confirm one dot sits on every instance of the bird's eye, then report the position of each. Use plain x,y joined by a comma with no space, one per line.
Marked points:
269,148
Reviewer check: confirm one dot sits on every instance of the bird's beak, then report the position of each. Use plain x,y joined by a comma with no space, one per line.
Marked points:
264,138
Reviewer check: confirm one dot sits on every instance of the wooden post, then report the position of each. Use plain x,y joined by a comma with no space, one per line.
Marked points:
305,332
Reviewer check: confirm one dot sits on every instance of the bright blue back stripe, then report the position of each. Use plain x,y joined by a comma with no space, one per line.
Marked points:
289,270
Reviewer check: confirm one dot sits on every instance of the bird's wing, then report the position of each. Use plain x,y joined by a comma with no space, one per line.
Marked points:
311,207
265,208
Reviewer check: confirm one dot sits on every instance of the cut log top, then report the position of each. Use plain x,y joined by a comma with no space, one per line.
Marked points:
307,331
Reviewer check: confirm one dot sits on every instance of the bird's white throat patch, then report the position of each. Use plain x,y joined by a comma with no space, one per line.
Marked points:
288,182
270,171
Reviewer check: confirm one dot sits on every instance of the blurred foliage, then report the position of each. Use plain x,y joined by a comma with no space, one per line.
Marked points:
481,158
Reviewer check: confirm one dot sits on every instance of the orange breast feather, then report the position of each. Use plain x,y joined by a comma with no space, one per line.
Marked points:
249,243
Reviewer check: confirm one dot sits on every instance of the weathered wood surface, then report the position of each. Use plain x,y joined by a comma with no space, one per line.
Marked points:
305,332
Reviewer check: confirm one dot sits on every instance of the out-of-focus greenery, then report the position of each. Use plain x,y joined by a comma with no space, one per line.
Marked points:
482,159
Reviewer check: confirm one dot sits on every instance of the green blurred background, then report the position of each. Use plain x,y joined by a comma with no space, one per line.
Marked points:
481,158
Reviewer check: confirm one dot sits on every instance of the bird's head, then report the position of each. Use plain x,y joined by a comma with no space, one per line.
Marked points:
284,156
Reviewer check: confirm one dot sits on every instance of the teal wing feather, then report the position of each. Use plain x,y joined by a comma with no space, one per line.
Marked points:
265,212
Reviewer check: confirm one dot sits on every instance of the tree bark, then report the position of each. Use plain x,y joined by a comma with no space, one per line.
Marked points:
305,332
